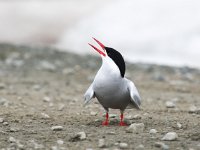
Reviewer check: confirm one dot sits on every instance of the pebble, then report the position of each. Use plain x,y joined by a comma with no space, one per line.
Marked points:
81,135
135,128
170,104
2,86
57,128
179,126
5,123
45,116
170,136
153,131
46,99
47,66
140,147
12,139
161,145
60,142
1,120
92,113
192,109
101,143
61,107
137,116
123,145
13,129
4,102
37,87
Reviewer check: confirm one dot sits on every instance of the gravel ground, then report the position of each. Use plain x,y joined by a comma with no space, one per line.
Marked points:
41,104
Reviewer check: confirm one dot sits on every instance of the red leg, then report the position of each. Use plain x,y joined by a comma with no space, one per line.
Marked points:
122,123
106,122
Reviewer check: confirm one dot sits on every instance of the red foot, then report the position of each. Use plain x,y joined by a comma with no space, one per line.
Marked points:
122,124
105,123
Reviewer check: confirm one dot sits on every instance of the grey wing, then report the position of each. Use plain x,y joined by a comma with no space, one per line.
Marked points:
89,94
135,97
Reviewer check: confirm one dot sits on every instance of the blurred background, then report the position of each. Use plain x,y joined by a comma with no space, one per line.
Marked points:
147,31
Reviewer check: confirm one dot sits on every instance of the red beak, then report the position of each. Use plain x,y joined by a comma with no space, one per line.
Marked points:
98,50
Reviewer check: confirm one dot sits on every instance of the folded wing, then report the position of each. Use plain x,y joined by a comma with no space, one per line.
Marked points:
134,94
89,94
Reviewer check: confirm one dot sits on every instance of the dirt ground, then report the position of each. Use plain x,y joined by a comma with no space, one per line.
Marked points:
41,88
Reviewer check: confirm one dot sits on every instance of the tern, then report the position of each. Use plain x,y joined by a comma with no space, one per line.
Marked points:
110,87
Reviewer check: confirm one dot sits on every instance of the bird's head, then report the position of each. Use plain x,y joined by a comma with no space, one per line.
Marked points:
113,54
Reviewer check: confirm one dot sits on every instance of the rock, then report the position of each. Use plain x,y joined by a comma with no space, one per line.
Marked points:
47,66
101,143
153,131
123,145
170,136
81,135
46,99
161,145
60,142
5,123
135,128
12,140
140,147
4,102
57,128
61,107
170,104
137,117
45,116
37,87
2,86
1,120
192,109
179,126
92,113
13,129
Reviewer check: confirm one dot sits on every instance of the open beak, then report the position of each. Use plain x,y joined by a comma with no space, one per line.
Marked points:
103,53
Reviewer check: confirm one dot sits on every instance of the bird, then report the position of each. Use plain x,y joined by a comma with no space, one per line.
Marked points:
110,86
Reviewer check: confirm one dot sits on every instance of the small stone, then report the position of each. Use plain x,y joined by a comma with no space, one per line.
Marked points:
12,129
2,86
153,131
123,145
47,66
92,113
137,117
46,99
61,107
4,102
1,120
57,128
140,147
192,109
135,128
54,148
111,133
179,126
170,104
101,143
37,87
81,135
12,139
170,136
45,116
60,142
161,145
5,123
